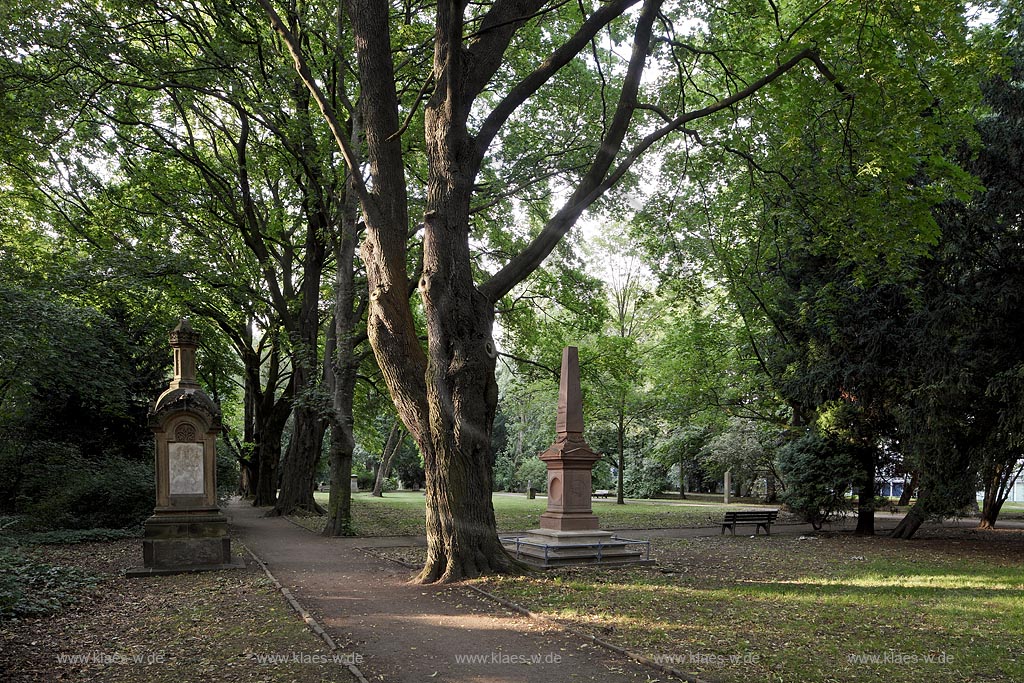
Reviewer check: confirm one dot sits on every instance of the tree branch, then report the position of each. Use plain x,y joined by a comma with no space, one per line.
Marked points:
526,88
302,68
598,181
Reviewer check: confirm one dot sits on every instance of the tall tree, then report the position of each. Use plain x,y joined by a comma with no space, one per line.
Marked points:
489,61
967,414
220,183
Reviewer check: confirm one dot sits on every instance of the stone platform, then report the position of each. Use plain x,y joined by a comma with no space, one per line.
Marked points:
546,548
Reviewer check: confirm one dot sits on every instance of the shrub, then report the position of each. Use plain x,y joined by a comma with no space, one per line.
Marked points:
645,479
69,536
227,472
818,471
115,494
532,472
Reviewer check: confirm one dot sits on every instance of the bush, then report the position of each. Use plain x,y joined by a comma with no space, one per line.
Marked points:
69,536
818,472
227,472
115,494
645,479
505,471
532,472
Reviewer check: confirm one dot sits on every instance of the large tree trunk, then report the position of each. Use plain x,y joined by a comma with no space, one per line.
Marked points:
247,478
298,474
267,455
461,391
620,496
462,395
270,415
989,512
999,478
866,496
909,525
395,437
908,490
343,373
771,493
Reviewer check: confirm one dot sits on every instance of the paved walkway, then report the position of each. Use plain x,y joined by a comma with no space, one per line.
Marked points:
419,634
411,633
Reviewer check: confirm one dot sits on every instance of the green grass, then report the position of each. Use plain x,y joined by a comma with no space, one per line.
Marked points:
1014,509
780,609
401,513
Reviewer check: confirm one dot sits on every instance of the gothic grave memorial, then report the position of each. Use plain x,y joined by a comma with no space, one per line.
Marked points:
187,531
569,532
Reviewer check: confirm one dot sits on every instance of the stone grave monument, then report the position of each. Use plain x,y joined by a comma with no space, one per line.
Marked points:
569,532
187,532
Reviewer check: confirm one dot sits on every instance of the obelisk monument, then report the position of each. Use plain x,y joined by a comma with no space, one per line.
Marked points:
569,532
569,459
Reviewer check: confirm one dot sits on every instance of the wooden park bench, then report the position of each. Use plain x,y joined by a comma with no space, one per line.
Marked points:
759,518
602,493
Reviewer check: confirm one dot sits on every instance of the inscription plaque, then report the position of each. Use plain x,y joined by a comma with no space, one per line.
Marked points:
185,467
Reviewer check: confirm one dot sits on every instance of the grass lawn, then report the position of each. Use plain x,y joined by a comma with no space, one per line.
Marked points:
1011,511
401,513
828,610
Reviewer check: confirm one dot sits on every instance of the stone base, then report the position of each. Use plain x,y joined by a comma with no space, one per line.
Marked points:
547,548
137,572
569,521
186,541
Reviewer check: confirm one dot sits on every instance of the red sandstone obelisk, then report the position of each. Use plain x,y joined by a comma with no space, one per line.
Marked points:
569,459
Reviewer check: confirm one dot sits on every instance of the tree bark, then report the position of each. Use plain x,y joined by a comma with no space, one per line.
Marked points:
270,414
908,490
395,437
771,491
682,480
866,495
620,497
269,435
999,478
298,472
910,523
343,374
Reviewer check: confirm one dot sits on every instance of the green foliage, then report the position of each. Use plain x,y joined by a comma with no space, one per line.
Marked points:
743,448
29,588
111,494
645,479
227,472
68,536
532,472
818,470
529,423
363,474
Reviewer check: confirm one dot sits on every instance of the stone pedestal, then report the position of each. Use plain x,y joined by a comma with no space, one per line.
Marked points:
187,531
569,462
569,532
548,548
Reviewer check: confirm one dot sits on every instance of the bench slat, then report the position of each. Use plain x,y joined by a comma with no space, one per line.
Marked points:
759,518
